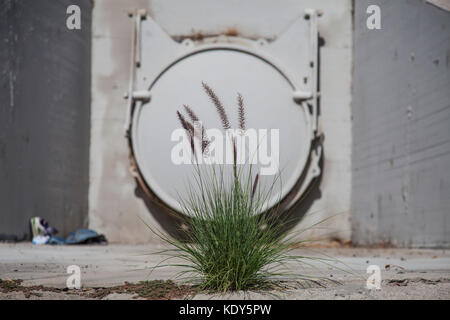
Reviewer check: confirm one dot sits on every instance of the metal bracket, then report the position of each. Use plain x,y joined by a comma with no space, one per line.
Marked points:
314,38
300,96
312,94
140,14
142,95
133,96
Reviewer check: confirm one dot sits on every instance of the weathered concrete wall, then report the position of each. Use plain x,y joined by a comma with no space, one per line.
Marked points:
401,126
44,115
114,207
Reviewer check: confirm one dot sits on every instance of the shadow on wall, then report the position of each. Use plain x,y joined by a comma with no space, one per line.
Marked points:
296,213
171,221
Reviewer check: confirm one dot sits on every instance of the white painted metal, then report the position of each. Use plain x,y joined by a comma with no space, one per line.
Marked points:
276,80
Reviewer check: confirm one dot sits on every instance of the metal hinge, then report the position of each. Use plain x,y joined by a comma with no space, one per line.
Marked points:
133,96
312,95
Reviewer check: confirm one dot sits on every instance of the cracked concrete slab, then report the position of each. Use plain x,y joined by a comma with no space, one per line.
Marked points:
405,273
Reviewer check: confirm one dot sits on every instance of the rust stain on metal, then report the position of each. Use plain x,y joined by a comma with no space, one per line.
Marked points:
232,32
200,36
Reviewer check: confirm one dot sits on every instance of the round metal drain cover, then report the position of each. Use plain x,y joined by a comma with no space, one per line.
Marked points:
269,104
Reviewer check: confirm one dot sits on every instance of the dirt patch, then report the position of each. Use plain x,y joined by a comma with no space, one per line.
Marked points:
405,282
151,290
7,286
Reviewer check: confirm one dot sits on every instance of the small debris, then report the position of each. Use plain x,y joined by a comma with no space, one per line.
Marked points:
398,283
394,266
405,282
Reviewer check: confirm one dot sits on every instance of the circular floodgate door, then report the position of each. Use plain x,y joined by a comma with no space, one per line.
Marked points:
269,105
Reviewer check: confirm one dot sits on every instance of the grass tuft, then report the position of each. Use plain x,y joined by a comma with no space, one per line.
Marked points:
229,244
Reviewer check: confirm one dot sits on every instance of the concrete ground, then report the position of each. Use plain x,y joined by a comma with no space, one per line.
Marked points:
405,273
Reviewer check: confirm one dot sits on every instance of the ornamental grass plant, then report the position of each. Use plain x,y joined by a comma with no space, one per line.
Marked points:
232,241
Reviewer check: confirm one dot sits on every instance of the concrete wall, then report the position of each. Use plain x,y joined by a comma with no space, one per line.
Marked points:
44,116
401,126
387,158
115,207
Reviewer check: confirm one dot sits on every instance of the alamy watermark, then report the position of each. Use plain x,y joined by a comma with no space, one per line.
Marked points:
250,146
74,280
73,21
374,280
373,22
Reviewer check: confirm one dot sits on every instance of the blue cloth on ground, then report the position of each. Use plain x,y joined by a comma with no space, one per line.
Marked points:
56,240
80,236
83,236
44,234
